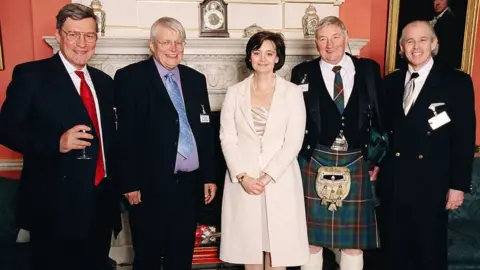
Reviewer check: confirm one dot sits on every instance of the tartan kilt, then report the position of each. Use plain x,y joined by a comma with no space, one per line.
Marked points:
354,224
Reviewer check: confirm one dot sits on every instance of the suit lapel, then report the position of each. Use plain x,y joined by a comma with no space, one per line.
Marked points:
360,86
105,107
245,102
397,94
192,106
156,81
316,85
76,113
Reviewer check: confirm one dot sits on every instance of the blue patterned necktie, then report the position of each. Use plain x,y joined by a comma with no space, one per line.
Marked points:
338,97
185,142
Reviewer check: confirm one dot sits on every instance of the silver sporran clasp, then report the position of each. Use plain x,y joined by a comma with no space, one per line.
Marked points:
340,143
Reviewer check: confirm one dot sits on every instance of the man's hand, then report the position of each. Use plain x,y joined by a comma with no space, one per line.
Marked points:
374,173
134,197
252,186
210,191
74,138
454,199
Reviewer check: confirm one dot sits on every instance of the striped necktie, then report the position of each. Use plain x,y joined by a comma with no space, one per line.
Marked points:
338,96
408,93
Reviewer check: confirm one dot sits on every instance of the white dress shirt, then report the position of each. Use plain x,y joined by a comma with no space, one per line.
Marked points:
348,76
419,81
76,82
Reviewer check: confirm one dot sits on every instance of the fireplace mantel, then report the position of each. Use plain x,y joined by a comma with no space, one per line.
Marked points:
220,59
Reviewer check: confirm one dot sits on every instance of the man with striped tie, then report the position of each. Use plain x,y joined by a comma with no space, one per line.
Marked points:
342,99
59,114
431,121
166,161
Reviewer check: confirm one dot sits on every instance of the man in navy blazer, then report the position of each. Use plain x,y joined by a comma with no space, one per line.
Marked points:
166,152
59,114
431,121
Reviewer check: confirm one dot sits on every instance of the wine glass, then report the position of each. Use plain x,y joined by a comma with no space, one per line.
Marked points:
84,150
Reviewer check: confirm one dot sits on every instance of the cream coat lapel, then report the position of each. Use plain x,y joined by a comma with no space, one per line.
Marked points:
245,101
277,107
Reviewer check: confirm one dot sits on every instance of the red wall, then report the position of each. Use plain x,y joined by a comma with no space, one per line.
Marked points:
24,22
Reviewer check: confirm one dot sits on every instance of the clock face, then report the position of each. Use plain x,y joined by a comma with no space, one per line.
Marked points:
213,17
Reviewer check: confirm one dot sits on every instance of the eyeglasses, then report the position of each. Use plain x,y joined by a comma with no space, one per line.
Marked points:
89,37
166,44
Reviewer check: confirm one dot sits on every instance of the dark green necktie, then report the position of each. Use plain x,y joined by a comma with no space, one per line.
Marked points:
338,97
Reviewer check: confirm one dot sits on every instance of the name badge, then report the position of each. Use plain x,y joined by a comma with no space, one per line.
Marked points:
304,87
204,117
439,120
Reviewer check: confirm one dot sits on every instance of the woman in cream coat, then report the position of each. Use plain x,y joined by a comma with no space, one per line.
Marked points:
262,128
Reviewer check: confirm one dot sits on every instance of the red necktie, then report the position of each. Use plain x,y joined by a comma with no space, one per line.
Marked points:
89,102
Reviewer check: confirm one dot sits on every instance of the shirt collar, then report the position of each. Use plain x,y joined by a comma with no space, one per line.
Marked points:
163,71
441,13
422,72
329,66
70,68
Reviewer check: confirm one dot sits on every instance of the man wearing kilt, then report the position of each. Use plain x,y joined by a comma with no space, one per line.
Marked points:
341,98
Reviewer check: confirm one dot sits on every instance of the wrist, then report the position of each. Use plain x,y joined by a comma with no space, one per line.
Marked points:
241,177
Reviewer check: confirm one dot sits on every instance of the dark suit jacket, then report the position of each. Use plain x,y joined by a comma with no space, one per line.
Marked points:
316,88
450,33
422,163
148,128
56,190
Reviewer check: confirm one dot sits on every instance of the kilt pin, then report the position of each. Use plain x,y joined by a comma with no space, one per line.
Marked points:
352,225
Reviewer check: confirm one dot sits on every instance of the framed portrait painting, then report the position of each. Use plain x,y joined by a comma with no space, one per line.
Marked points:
455,24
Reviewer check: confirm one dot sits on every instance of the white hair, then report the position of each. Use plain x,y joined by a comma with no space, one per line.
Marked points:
170,23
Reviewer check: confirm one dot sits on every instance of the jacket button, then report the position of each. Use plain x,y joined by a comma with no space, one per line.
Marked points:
420,156
366,145
308,147
343,117
428,133
397,154
343,124
391,131
306,131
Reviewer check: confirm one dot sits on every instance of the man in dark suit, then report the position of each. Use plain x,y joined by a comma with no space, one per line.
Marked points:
450,32
342,95
431,121
59,114
166,149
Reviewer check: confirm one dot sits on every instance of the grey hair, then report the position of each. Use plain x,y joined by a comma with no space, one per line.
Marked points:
433,36
170,23
75,12
331,20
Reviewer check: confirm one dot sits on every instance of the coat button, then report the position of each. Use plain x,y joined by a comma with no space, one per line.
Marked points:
428,133
306,131
366,145
420,156
343,124
397,154
308,147
343,117
391,131
368,130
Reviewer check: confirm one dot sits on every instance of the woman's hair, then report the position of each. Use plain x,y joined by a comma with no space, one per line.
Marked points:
256,41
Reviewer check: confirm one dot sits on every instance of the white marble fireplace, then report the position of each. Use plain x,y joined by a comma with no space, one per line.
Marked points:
222,62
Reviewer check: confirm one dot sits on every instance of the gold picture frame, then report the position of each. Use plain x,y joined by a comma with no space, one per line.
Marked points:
471,20
2,65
